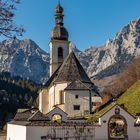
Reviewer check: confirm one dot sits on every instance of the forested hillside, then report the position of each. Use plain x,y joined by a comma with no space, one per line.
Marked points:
15,93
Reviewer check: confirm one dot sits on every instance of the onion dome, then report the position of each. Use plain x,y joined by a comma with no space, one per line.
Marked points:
59,32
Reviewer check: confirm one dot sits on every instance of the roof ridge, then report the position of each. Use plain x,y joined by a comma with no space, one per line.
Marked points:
75,85
33,115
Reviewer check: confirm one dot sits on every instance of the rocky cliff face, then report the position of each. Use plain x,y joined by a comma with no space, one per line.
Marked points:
25,59
111,58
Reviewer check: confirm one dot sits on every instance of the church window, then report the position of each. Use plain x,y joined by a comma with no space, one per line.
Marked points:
43,137
60,52
76,107
76,96
61,97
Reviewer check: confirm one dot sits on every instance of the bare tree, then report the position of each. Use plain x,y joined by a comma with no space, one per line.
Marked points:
7,26
129,75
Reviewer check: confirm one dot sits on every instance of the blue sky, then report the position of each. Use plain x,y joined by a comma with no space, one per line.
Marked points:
89,22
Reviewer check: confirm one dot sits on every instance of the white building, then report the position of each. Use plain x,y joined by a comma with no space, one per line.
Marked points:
69,87
33,125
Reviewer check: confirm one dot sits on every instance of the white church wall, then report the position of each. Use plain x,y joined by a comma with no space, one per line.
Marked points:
100,133
54,45
131,130
54,95
43,101
35,132
16,132
51,98
54,49
58,111
71,100
82,100
58,88
135,133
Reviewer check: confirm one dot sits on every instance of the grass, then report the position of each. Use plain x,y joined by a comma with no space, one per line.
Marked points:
130,99
95,117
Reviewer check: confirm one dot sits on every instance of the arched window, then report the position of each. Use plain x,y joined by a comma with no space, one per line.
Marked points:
117,127
60,53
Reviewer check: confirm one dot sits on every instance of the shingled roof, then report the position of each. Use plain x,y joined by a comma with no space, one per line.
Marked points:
70,70
31,115
77,85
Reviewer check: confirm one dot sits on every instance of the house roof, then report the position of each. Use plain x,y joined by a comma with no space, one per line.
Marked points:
31,115
77,85
52,124
38,116
71,70
56,109
119,107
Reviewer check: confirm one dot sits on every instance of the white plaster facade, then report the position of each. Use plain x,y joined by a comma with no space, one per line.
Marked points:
36,132
83,101
16,132
54,60
54,96
132,131
58,111
21,131
51,98
44,101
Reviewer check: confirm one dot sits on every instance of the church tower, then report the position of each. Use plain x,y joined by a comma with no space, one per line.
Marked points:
59,44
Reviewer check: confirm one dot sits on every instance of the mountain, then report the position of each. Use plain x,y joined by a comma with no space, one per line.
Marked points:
24,58
121,82
111,58
72,47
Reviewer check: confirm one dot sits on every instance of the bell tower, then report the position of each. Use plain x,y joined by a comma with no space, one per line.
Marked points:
59,44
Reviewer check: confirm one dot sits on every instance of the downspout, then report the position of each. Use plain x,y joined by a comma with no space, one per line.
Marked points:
90,101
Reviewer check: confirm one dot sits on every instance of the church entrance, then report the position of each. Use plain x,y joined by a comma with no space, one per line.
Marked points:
117,128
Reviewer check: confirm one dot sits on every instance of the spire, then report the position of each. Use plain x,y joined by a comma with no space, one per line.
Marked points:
59,14
59,2
59,32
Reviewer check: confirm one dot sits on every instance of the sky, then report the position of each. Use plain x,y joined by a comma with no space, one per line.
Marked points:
89,22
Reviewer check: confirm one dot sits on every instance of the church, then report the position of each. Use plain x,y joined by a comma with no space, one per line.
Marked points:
68,87
69,93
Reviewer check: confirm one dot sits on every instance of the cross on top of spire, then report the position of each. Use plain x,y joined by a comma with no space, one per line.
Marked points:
59,8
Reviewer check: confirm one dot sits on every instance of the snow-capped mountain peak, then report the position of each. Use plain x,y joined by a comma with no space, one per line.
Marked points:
24,58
